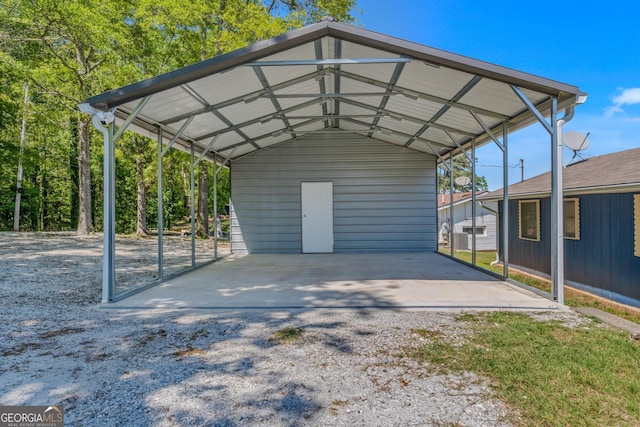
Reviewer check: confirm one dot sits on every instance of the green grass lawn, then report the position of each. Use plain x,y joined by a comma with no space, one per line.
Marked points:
573,297
548,374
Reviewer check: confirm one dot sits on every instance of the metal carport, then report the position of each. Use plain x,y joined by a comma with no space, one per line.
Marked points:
333,77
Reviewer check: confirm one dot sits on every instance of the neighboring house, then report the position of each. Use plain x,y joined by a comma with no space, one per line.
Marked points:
463,220
601,225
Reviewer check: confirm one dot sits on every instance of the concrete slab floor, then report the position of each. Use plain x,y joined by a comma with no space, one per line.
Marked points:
414,281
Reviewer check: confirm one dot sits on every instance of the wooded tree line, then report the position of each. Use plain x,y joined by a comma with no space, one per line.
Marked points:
60,53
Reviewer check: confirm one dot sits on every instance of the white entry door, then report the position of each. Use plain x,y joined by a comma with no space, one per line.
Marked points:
317,217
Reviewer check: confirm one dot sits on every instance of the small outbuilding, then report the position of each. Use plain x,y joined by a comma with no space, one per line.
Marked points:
332,134
601,225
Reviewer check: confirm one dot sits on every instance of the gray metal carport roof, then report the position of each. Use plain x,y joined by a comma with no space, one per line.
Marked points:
325,77
334,75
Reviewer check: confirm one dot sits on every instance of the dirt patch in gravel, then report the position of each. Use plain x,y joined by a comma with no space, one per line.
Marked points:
111,367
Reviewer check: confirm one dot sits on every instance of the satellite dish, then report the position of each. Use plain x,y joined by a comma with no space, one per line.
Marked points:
462,180
576,141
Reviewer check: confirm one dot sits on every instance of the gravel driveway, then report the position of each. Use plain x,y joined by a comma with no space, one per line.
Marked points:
164,368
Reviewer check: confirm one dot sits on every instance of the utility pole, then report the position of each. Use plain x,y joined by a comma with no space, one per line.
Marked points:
23,134
521,170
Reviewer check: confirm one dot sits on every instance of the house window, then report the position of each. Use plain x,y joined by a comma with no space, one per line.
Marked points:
572,219
480,230
636,224
529,220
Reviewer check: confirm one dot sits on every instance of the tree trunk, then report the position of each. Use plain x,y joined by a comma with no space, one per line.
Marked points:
203,201
141,227
74,201
85,223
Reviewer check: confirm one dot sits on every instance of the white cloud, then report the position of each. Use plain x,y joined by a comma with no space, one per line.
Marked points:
629,96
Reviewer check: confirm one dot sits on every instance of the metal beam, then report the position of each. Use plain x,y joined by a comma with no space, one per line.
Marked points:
269,91
192,196
321,83
132,115
337,79
389,91
421,95
462,150
505,200
160,209
177,135
327,95
109,232
391,131
215,210
260,119
215,112
462,92
451,178
239,99
535,110
438,156
473,202
336,61
485,128
206,150
411,118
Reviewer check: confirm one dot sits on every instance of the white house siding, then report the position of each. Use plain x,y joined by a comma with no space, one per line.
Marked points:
384,196
462,217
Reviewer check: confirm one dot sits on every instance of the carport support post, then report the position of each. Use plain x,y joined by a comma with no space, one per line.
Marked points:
109,215
557,225
473,201
452,176
160,208
505,202
193,209
215,211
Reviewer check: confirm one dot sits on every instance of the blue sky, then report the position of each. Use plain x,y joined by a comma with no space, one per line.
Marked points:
592,45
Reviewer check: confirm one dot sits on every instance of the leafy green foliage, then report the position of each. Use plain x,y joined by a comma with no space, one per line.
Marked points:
461,168
68,51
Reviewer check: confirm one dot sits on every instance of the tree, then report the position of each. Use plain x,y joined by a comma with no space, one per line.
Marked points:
76,59
461,168
68,51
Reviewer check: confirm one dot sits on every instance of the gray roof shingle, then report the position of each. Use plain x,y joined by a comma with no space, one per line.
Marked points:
598,172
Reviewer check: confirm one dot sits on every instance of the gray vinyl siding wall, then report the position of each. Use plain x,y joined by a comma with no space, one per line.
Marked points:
384,196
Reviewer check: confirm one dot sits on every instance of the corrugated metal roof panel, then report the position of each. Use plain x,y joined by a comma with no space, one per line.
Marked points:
403,126
259,129
242,112
359,51
438,135
503,98
202,124
238,152
442,82
272,140
461,120
419,109
379,72
227,139
223,87
167,104
432,81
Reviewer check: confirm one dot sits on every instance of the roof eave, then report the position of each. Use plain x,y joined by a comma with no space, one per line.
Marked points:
601,189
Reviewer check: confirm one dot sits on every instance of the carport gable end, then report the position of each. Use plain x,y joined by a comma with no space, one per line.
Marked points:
331,78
